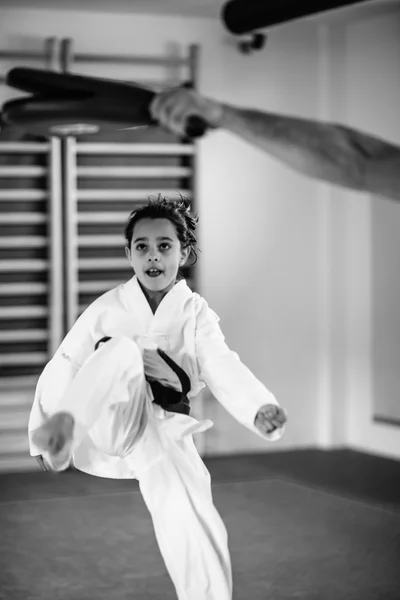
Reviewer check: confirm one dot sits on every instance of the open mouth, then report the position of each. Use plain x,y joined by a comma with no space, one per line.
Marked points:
153,272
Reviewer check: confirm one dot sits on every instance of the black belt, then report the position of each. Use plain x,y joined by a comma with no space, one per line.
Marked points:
167,397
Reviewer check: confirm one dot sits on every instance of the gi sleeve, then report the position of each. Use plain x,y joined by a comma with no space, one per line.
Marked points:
228,379
76,347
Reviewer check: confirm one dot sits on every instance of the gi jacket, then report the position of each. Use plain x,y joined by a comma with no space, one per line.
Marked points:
186,329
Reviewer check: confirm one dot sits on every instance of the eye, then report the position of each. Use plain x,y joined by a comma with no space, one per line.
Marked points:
165,246
140,247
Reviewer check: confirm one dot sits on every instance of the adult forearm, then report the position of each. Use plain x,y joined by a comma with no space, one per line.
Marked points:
319,150
325,151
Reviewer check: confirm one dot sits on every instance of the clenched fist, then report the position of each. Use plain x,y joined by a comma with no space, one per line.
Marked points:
269,418
172,109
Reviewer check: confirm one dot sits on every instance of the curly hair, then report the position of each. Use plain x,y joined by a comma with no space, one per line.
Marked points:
177,211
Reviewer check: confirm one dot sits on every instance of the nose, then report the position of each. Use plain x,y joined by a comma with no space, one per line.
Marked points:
153,257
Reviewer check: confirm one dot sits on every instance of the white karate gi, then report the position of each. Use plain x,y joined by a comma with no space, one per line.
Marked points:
121,433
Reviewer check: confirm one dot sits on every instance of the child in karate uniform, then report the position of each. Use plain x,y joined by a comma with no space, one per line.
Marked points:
115,398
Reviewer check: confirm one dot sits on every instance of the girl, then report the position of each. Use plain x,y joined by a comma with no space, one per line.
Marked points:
115,398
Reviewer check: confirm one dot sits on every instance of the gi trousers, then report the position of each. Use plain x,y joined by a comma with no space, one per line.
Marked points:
111,401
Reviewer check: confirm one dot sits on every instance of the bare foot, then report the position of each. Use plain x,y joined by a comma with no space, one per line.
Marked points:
54,439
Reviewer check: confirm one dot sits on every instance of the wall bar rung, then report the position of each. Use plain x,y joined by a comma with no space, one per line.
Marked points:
23,358
132,172
23,312
23,288
22,218
102,264
105,217
133,195
14,420
88,287
24,195
131,60
24,147
10,443
21,55
112,241
134,149
22,382
23,241
31,264
23,335
28,171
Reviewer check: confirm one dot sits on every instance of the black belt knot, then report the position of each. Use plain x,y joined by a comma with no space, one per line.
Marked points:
167,397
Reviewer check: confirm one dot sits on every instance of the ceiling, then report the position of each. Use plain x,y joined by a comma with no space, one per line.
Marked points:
195,8
187,8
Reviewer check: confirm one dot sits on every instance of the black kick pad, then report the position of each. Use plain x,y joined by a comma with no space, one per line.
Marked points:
63,104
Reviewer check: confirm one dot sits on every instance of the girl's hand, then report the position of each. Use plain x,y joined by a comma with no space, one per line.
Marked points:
269,418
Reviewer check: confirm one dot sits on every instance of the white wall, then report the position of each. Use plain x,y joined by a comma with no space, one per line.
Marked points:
260,232
374,242
362,285
259,222
354,70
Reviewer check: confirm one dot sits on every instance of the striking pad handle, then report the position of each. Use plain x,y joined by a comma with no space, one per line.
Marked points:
196,127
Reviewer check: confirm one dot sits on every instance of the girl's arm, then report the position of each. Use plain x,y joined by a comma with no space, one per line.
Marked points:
228,379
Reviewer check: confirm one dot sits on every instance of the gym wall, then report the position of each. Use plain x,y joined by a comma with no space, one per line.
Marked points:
371,103
250,214
285,261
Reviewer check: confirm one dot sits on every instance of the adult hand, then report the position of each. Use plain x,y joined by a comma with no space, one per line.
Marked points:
172,108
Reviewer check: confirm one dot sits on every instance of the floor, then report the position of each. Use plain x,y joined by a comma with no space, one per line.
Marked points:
308,524
371,479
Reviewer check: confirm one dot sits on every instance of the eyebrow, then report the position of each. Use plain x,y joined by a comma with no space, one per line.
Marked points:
144,239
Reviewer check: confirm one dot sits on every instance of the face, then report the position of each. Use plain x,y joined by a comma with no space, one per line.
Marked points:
156,254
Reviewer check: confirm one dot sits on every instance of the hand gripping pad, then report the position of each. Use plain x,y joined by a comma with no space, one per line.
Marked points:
66,104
